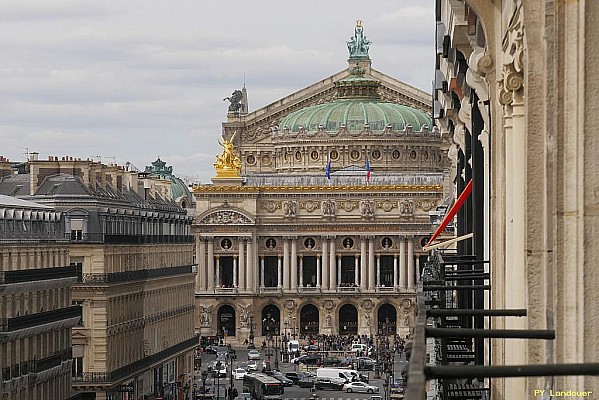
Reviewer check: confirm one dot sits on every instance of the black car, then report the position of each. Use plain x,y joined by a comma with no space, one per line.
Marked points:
280,377
306,382
327,384
298,376
308,359
312,347
331,362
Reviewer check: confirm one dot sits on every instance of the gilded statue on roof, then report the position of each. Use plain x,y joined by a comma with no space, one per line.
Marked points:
227,164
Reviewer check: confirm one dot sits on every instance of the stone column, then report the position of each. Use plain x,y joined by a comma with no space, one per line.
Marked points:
218,271
261,271
301,271
235,283
201,262
242,283
294,264
332,283
325,264
363,265
403,272
371,274
251,268
210,282
378,270
318,271
417,269
356,269
410,263
338,275
395,274
286,266
279,272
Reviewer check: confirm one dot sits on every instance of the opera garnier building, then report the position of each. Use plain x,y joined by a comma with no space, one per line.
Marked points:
321,201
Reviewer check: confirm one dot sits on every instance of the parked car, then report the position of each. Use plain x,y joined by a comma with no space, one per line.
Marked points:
308,359
280,377
253,355
328,384
331,362
360,387
365,363
297,376
244,396
221,373
252,365
312,347
239,373
306,382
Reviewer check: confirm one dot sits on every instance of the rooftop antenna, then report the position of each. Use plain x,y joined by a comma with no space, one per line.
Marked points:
26,152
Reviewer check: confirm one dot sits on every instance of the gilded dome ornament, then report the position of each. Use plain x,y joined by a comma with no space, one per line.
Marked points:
227,164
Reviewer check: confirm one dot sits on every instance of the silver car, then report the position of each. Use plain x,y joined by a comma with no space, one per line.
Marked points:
253,355
360,387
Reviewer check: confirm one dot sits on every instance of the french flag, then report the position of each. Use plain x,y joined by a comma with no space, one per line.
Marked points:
327,172
367,170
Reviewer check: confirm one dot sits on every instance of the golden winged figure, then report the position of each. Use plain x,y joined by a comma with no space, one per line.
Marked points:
227,163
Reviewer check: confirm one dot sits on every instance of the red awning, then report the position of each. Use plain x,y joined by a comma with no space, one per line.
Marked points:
452,211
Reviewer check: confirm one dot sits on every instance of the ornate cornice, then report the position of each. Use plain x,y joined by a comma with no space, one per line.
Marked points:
286,189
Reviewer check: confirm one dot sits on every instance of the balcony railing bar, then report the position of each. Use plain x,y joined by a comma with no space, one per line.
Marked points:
492,313
548,334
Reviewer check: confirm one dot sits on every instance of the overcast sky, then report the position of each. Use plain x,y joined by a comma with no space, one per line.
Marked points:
129,80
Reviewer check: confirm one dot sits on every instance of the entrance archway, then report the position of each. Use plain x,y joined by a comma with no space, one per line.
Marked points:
271,320
226,321
348,320
387,320
309,320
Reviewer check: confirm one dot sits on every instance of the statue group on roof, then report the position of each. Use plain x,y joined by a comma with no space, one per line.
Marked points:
358,44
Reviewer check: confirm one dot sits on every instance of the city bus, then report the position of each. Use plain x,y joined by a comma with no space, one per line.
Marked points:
263,387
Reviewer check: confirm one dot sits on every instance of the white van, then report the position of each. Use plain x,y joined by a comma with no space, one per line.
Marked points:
347,375
359,348
293,346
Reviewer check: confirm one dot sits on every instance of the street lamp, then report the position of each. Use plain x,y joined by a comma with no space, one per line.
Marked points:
204,377
251,338
386,388
276,348
232,357
186,390
218,367
294,321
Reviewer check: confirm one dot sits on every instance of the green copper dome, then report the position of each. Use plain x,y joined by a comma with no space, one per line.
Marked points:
358,105
353,114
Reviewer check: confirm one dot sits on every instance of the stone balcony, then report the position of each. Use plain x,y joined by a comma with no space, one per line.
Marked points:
225,290
309,289
271,290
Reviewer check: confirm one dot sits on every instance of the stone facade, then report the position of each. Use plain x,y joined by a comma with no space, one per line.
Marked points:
522,67
294,253
132,246
35,302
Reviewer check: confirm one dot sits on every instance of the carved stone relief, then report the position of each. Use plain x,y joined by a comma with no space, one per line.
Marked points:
225,217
